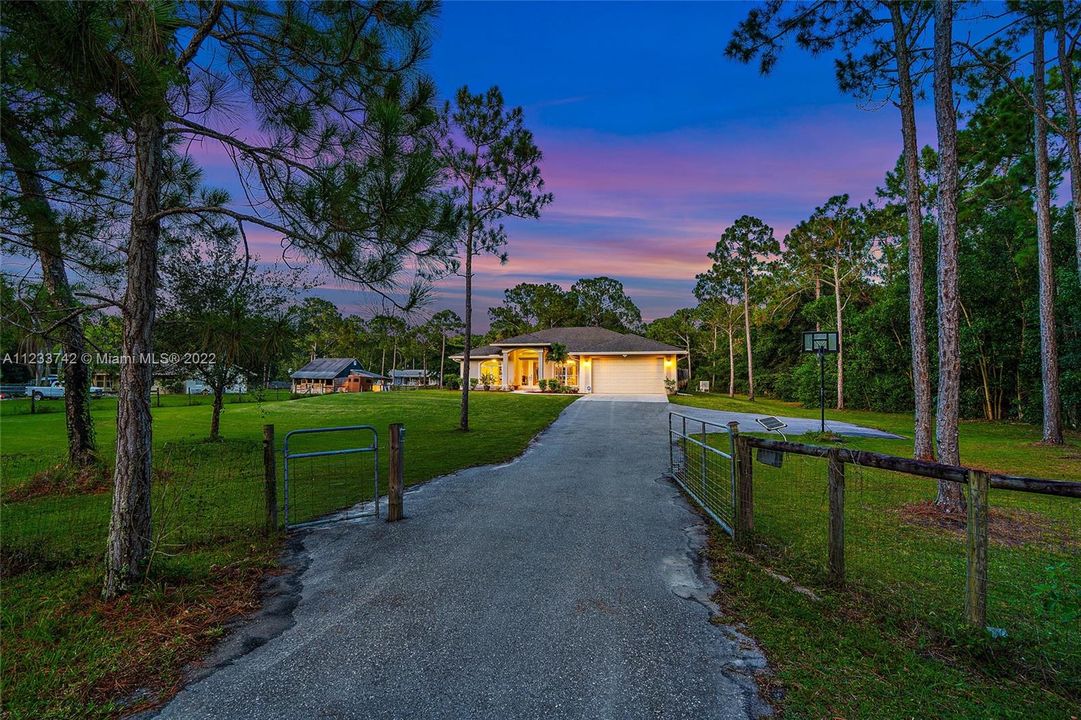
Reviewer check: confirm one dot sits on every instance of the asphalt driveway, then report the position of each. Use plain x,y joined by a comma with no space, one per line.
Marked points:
562,585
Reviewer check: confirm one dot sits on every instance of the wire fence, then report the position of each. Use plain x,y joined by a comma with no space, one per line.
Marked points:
20,405
901,557
201,492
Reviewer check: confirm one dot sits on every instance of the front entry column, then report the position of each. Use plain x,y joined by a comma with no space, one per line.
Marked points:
540,364
506,370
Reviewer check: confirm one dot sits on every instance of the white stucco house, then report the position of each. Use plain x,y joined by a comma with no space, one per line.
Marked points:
598,361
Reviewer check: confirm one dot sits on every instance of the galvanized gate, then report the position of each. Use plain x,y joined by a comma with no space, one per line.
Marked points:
328,500
705,471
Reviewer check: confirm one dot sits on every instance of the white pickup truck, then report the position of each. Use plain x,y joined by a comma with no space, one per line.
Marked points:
55,390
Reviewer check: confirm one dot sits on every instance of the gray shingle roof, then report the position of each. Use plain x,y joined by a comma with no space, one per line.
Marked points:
578,340
410,373
326,369
590,340
481,351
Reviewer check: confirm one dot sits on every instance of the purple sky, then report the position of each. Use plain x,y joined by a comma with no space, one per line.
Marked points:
653,142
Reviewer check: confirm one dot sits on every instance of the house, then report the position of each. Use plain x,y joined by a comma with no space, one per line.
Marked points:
413,378
598,361
328,375
201,387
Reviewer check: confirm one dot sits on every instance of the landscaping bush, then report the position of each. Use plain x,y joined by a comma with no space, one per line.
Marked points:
473,382
452,381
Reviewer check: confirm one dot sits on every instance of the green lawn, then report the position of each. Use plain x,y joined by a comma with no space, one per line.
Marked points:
68,654
891,644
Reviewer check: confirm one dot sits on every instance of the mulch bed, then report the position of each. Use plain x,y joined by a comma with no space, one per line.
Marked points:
62,480
172,628
1007,527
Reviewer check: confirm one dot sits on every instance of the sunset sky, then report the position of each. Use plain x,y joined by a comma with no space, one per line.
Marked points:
653,141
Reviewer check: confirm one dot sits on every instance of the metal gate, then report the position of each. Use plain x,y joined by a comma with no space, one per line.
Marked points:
327,500
705,471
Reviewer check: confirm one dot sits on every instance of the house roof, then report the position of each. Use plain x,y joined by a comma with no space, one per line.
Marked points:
368,374
410,373
482,352
326,369
580,340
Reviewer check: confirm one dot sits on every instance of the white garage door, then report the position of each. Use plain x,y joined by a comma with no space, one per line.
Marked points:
631,374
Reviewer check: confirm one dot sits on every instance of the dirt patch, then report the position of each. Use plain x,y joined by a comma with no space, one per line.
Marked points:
1007,527
171,628
62,479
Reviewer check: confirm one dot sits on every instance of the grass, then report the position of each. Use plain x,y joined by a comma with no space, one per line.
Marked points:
1003,447
66,653
891,642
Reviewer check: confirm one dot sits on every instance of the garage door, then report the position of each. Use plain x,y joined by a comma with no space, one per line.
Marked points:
628,374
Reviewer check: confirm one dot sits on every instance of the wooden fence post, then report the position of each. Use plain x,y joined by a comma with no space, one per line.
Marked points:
744,490
270,480
979,485
837,517
395,482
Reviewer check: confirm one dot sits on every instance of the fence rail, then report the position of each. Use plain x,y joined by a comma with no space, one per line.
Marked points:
885,487
923,468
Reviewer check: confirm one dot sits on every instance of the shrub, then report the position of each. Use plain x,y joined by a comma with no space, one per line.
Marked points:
452,381
473,383
543,384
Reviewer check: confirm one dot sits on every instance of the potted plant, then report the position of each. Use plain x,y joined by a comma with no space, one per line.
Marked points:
487,380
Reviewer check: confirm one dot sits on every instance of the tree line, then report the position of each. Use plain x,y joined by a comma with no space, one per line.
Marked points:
977,207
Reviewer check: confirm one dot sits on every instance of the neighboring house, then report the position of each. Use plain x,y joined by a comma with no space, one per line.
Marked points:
598,361
201,387
327,375
107,380
413,378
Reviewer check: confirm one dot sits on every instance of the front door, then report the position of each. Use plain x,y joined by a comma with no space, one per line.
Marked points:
529,373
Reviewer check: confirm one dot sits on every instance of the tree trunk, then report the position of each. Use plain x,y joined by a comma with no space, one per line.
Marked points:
1071,133
129,526
45,239
818,296
839,311
713,370
463,421
442,358
923,445
747,334
949,357
215,413
731,363
690,370
1052,411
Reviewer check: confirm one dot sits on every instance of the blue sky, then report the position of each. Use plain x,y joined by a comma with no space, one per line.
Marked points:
653,141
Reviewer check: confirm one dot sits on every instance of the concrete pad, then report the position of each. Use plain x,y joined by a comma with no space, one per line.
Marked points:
796,426
619,397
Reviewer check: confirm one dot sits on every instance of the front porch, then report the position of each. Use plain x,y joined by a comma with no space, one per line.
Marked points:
524,368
